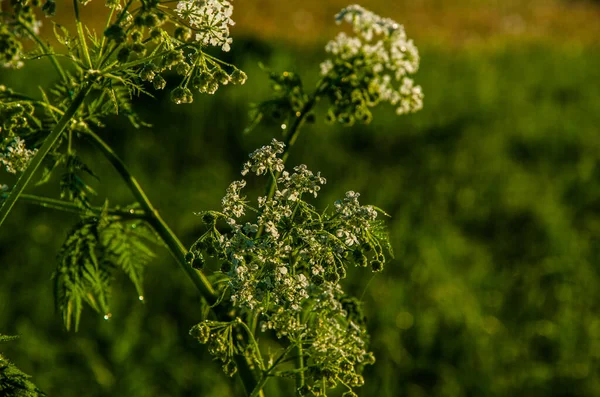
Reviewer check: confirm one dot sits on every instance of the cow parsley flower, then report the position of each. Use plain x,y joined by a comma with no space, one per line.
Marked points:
16,156
233,203
265,159
210,19
371,66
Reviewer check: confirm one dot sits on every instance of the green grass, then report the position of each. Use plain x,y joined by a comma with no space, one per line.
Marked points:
494,192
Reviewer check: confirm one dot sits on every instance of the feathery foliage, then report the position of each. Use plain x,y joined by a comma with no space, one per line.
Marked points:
13,381
95,247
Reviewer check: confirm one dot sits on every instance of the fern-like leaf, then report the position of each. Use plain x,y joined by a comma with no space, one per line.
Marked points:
126,248
92,251
80,276
14,382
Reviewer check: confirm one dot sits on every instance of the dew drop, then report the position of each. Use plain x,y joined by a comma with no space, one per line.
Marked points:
283,126
107,316
141,297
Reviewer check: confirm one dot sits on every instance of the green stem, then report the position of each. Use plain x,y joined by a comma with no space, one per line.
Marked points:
258,390
295,129
43,151
45,49
68,206
300,367
103,42
253,341
175,246
291,138
82,40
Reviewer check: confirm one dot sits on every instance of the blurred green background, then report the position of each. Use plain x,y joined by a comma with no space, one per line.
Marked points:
493,189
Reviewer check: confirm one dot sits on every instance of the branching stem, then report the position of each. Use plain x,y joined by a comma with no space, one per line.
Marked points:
68,206
45,50
43,151
175,246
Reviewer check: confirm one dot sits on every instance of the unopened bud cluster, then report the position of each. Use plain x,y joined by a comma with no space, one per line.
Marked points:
204,80
182,42
370,67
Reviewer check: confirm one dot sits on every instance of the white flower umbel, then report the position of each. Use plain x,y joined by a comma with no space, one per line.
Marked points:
285,266
265,159
378,59
16,156
210,19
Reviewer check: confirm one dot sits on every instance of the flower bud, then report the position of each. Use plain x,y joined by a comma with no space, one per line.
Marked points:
116,33
238,77
159,83
148,72
123,55
182,95
49,8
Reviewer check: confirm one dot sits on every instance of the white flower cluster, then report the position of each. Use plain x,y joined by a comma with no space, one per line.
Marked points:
300,182
383,52
16,156
292,252
232,202
285,267
265,159
350,209
210,19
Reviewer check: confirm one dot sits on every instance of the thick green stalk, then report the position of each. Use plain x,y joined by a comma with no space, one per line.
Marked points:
42,152
175,246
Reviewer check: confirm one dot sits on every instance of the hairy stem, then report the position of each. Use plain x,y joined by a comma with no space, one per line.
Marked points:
43,151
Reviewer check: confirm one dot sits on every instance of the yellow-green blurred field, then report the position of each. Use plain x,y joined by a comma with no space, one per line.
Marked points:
493,191
452,23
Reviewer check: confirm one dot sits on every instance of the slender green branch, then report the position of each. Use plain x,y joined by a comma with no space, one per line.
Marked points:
103,42
258,390
299,366
45,49
43,151
253,341
82,40
175,246
291,138
68,206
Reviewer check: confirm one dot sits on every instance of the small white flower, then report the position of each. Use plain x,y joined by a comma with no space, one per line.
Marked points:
16,156
265,158
232,202
211,18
